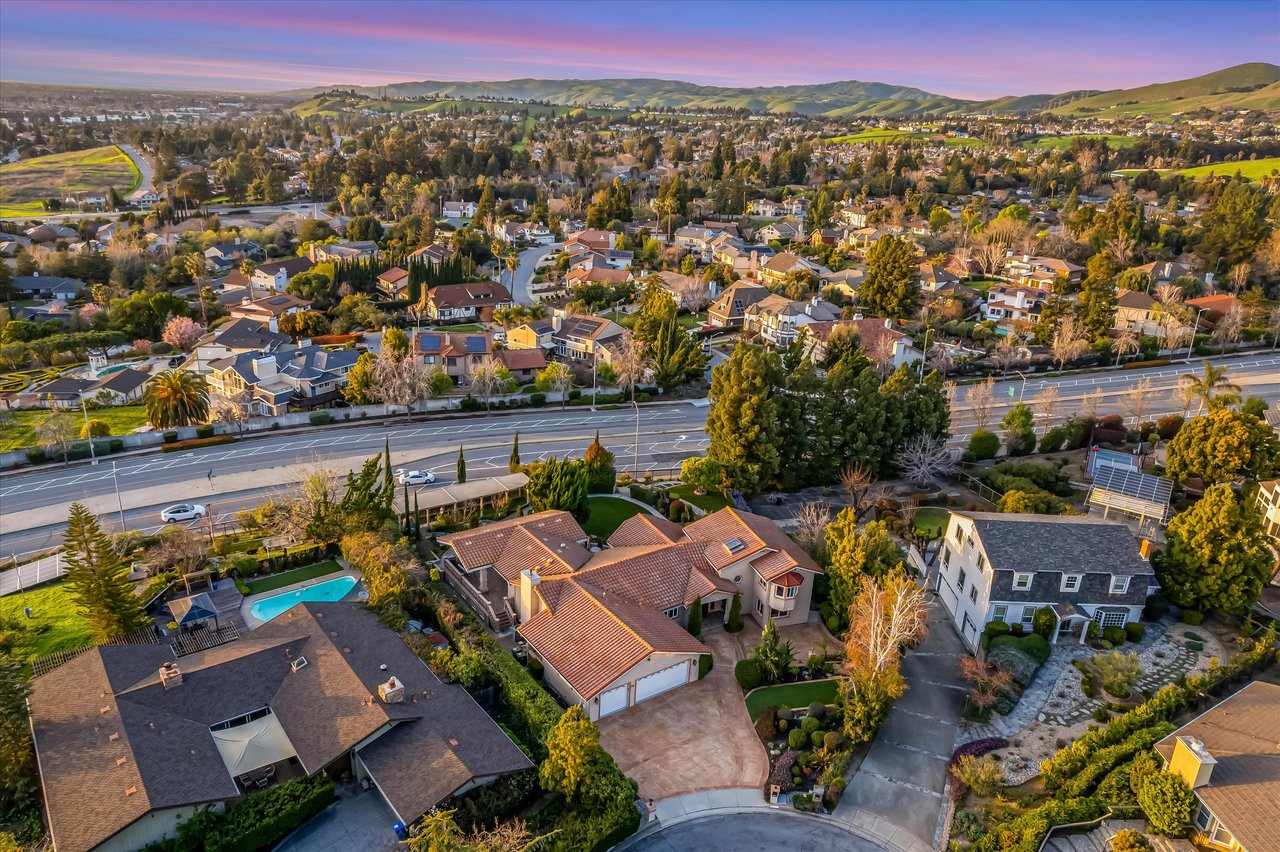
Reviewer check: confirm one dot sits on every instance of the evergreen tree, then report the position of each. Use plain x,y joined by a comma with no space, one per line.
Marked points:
1217,555
688,266
602,476
656,308
560,484
892,285
695,616
388,477
742,422
853,555
1234,226
1221,446
677,358
462,466
514,463
99,583
1020,434
1096,307
733,624
486,206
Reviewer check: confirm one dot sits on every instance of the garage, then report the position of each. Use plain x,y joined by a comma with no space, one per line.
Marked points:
613,701
660,682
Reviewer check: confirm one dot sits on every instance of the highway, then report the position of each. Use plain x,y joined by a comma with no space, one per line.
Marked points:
33,503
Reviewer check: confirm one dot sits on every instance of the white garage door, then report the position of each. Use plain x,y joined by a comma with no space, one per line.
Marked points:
613,701
660,682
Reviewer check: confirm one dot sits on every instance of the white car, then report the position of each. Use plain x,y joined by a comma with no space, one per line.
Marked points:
182,512
415,477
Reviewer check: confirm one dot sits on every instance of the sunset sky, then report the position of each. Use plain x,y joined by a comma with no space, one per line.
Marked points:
962,49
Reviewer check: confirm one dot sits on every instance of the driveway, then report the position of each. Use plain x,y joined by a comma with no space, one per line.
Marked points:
753,832
904,774
362,821
697,737
525,270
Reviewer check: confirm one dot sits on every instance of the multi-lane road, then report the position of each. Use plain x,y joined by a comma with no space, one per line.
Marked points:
33,503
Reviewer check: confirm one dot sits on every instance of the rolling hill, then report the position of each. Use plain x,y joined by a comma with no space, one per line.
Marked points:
1254,85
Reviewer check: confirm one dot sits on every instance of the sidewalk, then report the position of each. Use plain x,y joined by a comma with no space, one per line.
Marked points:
693,806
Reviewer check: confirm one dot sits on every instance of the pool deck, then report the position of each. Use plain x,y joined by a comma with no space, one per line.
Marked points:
253,622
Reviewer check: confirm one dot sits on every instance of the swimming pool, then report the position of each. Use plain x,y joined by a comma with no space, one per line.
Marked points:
330,590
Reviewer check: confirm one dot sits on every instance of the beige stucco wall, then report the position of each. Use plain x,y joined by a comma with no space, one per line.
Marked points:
650,665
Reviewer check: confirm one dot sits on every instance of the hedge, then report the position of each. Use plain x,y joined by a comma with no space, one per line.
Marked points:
1106,759
259,822
1025,833
1033,645
205,430
198,442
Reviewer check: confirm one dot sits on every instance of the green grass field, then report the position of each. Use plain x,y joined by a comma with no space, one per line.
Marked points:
297,575
529,122
607,514
31,181
931,518
966,142
1063,143
710,502
879,134
22,432
791,695
55,623
1248,169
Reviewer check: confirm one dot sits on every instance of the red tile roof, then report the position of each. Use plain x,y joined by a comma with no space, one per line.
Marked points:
483,546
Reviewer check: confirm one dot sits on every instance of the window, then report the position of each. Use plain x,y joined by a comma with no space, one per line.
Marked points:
1119,585
960,582
1111,618
761,581
959,534
673,613
1203,818
1070,582
1000,613
785,591
973,593
982,562
1028,614
777,613
946,556
759,608
1021,582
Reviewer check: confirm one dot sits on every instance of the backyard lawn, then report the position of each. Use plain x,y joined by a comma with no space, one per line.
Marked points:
931,518
709,501
297,575
791,695
56,624
607,514
21,433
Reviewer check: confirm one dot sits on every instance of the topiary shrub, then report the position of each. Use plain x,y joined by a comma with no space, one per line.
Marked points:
832,740
1192,617
704,665
733,624
1168,803
1044,622
797,738
1134,631
1016,628
1114,634
319,418
747,673
204,430
809,724
817,738
37,455
537,400
1156,608
1128,840
169,437
984,444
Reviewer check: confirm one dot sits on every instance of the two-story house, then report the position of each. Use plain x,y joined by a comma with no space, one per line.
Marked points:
1034,271
268,311
472,300
237,338
729,310
344,250
1007,304
776,269
270,383
777,319
882,342
274,277
457,353
394,283
1004,567
223,257
459,209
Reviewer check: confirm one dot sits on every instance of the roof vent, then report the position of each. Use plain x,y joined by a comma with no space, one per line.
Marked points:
105,709
113,736
121,761
129,791
300,663
453,742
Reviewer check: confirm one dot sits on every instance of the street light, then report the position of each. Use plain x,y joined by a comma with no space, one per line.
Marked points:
924,354
1194,327
1022,392
119,502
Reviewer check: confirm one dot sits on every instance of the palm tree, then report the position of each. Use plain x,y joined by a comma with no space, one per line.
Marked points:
1211,387
176,398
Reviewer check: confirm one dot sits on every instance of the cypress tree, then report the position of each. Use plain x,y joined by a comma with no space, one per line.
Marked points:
734,622
388,479
695,616
742,423
462,466
514,464
99,582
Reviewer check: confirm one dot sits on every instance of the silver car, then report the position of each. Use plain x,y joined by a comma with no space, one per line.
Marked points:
182,512
415,477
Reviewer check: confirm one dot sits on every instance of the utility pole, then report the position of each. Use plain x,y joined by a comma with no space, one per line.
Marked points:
119,502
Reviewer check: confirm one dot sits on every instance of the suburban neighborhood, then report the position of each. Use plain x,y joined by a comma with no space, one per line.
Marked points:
584,458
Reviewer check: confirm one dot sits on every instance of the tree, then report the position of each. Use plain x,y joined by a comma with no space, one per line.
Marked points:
887,616
924,458
811,523
988,679
1069,340
304,324
1126,344
462,466
574,756
99,583
859,480
979,399
602,476
182,333
981,774
1047,402
1217,555
1019,426
703,474
1234,226
868,696
892,285
1168,803
1223,446
774,656
1211,387
555,377
677,357
56,430
395,342
174,398
733,623
513,464
1136,398
854,555
492,378
1096,304
17,757
560,484
358,389
743,421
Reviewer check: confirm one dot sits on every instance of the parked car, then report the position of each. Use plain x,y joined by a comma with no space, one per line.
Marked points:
176,360
415,477
182,512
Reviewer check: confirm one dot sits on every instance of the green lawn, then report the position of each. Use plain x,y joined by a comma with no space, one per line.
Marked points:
709,501
1248,169
470,326
529,122
876,135
1063,143
931,518
607,514
57,625
297,575
54,175
791,695
22,432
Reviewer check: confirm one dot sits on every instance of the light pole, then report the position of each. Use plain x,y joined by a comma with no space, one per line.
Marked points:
635,448
925,353
88,433
1023,391
1194,327
119,502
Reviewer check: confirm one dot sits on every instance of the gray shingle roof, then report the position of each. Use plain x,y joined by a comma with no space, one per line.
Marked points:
1057,543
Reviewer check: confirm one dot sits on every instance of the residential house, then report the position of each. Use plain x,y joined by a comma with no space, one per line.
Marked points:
853,215
933,278
274,276
577,338
796,207
783,231
764,208
729,310
116,388
845,281
530,232
394,283
1228,757
472,300
1138,312
1040,272
589,240
51,232
223,257
524,364
603,259
132,740
882,342
532,335
777,320
236,338
1211,309
269,310
54,287
776,269
689,292
1268,502
1010,303
459,209
697,241
344,250
1161,272
270,383
1004,567
597,275
457,353
435,254
609,626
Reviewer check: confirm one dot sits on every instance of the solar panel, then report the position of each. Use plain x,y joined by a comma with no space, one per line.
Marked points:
475,344
1155,489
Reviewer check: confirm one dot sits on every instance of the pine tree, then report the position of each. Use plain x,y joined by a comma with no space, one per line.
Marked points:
99,583
742,423
513,464
17,758
1096,305
892,285
602,476
677,358
388,478
462,466
560,484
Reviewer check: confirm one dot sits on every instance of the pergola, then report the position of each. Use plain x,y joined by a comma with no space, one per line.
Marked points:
193,609
447,497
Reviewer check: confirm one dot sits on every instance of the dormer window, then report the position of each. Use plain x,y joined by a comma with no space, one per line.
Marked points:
734,545
1119,585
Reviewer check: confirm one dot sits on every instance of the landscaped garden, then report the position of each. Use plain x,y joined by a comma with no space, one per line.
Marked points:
271,582
791,695
607,514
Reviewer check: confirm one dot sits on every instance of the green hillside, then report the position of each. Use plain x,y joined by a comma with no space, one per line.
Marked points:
27,182
1063,143
1248,86
1249,169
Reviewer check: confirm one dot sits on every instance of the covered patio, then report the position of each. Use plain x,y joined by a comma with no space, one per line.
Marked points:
1076,623
466,496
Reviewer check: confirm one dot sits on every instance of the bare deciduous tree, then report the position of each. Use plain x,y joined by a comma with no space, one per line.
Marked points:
631,363
1090,403
1008,352
980,398
1126,344
1070,341
923,458
1138,398
1273,326
178,548
884,619
1229,328
1121,247
491,378
401,381
1047,403
810,526
863,488
1238,276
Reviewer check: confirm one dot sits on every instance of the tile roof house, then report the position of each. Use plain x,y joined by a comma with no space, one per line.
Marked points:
473,300
882,342
1011,303
776,269
778,320
394,283
1230,758
130,740
1033,271
608,625
455,352
1213,308
1003,567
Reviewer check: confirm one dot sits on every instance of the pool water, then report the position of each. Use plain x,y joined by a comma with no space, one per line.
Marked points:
330,590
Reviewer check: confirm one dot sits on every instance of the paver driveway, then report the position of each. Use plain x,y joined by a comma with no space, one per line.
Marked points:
697,737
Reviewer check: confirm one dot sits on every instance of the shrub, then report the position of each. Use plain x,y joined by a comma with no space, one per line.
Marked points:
37,455
1104,760
1114,634
95,429
1115,788
1168,803
1053,440
198,442
1033,645
537,400
1128,840
984,444
204,430
536,668
1169,425
320,418
747,673
832,740
1044,622
968,825
1016,628
1105,644
704,665
797,739
809,724
733,624
1119,672
1135,631
1156,608
981,774
260,821
817,738
169,437
1192,617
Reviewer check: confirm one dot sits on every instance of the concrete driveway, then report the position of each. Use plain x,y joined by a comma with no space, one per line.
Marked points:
753,832
697,737
904,774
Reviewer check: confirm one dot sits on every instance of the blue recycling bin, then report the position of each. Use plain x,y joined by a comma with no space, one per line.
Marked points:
399,829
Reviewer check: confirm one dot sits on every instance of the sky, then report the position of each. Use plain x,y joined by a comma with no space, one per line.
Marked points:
980,49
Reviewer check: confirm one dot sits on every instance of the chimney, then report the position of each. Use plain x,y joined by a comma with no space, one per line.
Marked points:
557,320
528,602
1144,550
391,692
170,675
755,261
237,240
264,367
1192,761
888,323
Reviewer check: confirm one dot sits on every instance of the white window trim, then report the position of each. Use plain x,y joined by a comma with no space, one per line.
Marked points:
1122,582
973,593
1018,585
674,612
1000,612
1079,578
